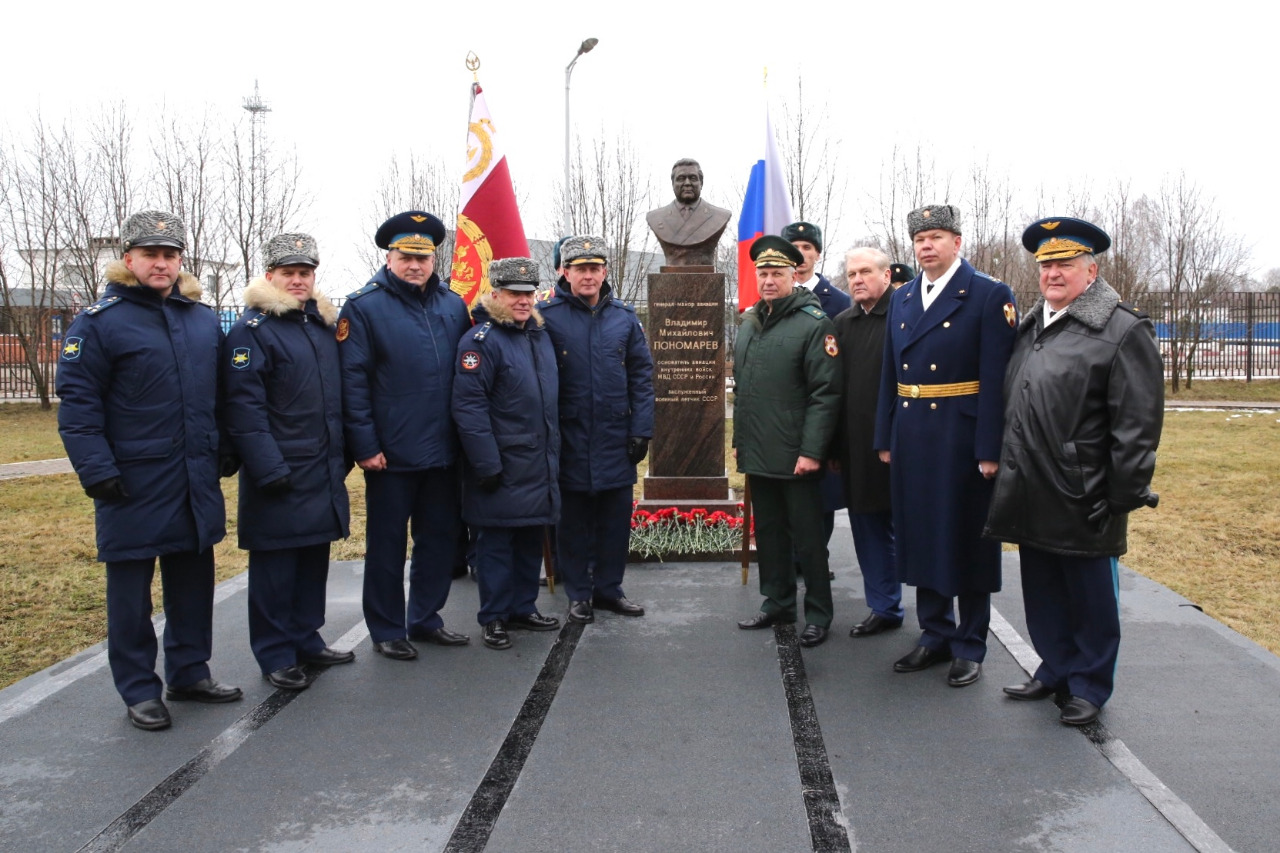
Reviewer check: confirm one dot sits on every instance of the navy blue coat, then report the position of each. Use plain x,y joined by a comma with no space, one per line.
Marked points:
939,498
834,302
606,387
283,391
505,397
396,345
138,379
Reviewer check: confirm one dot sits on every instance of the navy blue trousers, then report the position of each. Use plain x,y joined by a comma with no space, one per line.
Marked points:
966,639
428,501
508,560
187,582
873,543
594,527
1073,617
286,604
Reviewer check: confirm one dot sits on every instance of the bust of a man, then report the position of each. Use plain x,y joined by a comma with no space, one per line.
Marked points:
689,228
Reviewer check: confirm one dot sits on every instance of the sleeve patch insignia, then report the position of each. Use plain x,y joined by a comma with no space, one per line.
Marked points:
344,329
470,360
830,346
71,349
1010,314
240,358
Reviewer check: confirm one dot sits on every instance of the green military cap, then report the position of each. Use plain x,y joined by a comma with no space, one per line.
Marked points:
774,251
153,228
941,216
518,274
285,250
901,273
582,249
806,231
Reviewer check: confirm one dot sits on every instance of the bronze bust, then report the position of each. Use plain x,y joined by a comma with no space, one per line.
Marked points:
689,228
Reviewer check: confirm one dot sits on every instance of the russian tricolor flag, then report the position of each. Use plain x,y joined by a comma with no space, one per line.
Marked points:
766,209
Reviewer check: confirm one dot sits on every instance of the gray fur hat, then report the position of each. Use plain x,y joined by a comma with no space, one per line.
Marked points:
582,249
153,228
518,274
942,216
289,249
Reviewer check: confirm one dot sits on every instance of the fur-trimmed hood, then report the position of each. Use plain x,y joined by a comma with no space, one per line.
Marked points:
269,299
1093,307
501,315
188,285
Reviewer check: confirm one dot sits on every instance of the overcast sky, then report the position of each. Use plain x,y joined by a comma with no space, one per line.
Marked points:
1050,93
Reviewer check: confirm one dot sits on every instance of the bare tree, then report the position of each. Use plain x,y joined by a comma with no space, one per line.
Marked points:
992,231
816,183
909,180
419,184
1128,265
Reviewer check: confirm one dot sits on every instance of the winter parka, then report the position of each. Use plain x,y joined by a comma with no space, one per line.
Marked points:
396,344
138,380
606,387
505,395
283,391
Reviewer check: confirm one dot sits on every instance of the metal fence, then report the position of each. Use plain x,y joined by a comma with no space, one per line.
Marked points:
1227,336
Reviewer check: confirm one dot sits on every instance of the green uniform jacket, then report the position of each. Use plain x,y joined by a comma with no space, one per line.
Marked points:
787,379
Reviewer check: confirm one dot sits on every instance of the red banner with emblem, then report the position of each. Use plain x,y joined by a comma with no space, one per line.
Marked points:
489,223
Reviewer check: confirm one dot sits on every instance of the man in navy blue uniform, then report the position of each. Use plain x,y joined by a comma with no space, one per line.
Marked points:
807,237
283,390
505,400
396,341
606,421
1084,406
938,425
138,379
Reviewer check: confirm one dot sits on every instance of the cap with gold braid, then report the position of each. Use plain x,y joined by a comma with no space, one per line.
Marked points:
414,232
1057,238
774,251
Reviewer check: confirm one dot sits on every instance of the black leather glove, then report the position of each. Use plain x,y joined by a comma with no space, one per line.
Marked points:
1100,510
490,484
111,489
228,465
637,449
277,487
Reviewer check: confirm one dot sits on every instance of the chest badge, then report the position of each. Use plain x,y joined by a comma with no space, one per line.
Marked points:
830,346
470,360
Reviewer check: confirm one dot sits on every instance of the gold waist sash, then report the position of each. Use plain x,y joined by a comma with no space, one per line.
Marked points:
950,389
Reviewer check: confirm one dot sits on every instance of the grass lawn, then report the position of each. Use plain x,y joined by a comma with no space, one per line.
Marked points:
1215,537
1225,391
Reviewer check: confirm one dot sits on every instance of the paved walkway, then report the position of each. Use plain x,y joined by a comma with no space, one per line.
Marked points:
674,732
15,470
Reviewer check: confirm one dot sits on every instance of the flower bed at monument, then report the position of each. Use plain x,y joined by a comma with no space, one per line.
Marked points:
672,533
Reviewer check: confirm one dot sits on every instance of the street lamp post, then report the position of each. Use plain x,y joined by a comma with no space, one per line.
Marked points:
585,47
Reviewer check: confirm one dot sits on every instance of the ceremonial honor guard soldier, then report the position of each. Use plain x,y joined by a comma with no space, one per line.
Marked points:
787,384
938,425
1084,406
138,380
397,338
283,389
505,403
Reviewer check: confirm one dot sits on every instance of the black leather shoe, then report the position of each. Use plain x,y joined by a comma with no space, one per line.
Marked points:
290,678
441,636
581,612
150,715
396,649
921,657
964,672
1079,712
495,635
327,657
204,690
534,621
1033,691
763,620
618,605
873,624
813,635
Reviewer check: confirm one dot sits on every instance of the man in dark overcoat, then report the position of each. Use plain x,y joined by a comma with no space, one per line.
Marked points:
397,337
505,403
1084,406
860,334
283,389
138,380
938,425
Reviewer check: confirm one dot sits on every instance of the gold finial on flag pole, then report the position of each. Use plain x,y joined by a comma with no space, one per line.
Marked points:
473,65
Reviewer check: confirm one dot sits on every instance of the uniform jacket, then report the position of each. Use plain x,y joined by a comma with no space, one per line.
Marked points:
1084,405
786,374
834,302
860,335
505,403
940,500
606,387
283,390
396,343
138,379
